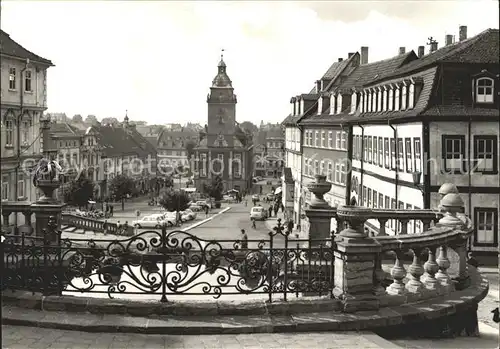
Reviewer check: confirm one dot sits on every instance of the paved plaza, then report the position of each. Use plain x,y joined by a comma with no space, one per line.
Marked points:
39,338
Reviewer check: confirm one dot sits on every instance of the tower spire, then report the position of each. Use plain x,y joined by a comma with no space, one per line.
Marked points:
222,54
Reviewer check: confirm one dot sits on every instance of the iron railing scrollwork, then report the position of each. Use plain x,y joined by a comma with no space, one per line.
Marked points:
165,264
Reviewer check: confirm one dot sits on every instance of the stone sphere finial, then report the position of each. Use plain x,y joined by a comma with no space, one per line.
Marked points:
319,188
451,204
448,188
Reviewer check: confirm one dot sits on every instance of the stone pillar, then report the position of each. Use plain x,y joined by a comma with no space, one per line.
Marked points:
355,273
319,212
47,207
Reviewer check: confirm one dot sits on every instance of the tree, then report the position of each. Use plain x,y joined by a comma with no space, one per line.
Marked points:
248,127
109,121
91,119
175,200
77,118
215,188
80,192
120,187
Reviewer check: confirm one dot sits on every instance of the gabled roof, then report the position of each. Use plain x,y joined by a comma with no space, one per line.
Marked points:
116,141
64,128
367,73
482,48
11,48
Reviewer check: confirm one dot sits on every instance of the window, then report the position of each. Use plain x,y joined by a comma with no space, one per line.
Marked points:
379,97
375,198
396,99
485,154
337,172
330,171
484,90
9,132
453,153
343,173
365,148
416,153
12,78
486,226
322,168
418,222
5,188
409,164
386,153
316,139
364,195
237,165
370,95
411,96
330,139
323,139
365,102
393,207
369,198
380,200
203,165
20,187
410,222
27,81
380,152
385,95
375,151
393,154
400,154
355,147
369,155
354,102
343,144
316,167
338,140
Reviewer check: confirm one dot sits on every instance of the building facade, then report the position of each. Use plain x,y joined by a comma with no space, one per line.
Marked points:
23,101
269,154
224,149
173,147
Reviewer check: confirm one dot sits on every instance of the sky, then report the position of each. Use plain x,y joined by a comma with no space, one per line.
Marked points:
157,59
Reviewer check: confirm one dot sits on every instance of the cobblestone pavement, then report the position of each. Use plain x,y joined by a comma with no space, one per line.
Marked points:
14,337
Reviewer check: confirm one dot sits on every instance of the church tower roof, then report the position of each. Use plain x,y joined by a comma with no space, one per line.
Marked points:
221,80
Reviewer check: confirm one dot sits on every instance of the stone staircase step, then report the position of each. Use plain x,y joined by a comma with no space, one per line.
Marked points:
70,229
64,226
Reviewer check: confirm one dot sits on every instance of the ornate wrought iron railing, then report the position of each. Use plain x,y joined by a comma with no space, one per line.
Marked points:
166,263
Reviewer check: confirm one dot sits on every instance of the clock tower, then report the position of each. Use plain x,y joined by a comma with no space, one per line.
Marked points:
224,149
221,108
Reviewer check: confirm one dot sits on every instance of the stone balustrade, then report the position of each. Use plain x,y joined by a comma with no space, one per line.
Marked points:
90,224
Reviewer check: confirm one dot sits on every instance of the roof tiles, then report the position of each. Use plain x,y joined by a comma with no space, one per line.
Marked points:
11,48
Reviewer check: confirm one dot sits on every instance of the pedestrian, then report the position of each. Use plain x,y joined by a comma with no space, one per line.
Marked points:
118,228
206,211
244,239
270,209
246,202
105,227
111,209
125,228
290,226
253,224
275,211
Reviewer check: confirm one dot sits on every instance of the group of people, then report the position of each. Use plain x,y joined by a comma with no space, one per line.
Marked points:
108,209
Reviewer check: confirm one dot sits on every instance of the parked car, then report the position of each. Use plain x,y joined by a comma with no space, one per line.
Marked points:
270,196
255,197
188,214
151,222
203,203
195,208
258,213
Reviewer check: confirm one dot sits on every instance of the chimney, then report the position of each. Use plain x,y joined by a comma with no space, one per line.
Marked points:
449,39
434,46
318,86
341,59
350,54
364,54
462,30
402,50
421,51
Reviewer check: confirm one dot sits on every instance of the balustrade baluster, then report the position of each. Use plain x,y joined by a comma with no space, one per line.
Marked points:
382,223
431,268
416,271
442,275
6,216
398,272
404,226
426,224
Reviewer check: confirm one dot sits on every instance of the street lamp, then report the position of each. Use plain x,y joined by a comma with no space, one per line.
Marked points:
416,181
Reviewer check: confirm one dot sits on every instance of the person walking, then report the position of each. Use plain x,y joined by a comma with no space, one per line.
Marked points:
125,228
270,209
105,227
244,239
118,228
253,224
290,225
111,209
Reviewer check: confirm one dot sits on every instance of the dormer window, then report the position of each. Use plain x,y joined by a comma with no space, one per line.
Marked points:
385,97
339,103
411,96
396,98
369,105
301,107
332,104
292,110
354,101
484,90
320,105
362,101
297,110
379,100
403,97
390,102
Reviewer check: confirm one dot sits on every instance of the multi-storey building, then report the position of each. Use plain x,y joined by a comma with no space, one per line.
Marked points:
269,145
108,151
173,146
224,149
22,102
64,143
433,120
